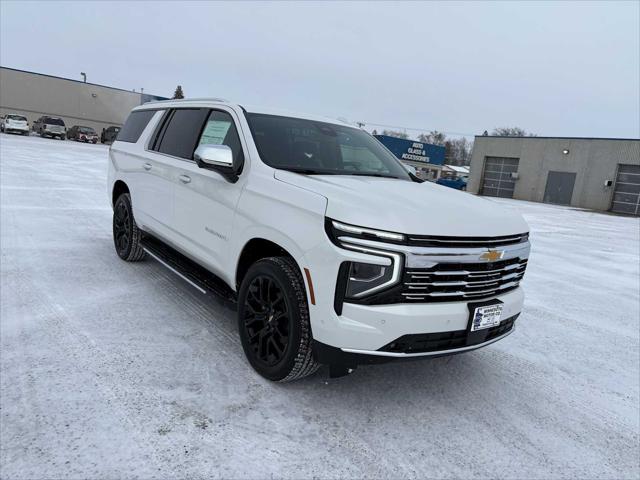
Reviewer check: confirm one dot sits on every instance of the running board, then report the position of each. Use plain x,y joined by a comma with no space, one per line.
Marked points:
197,276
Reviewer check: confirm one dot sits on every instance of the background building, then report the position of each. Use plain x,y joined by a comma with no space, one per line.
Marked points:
594,173
76,102
427,159
458,171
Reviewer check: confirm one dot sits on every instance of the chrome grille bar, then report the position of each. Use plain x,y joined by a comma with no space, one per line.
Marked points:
478,281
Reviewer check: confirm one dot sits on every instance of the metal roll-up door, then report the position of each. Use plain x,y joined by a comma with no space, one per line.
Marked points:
497,179
626,195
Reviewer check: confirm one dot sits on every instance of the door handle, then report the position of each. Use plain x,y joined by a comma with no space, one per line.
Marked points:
147,166
184,179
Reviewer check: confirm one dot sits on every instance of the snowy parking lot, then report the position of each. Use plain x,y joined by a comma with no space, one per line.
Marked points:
118,370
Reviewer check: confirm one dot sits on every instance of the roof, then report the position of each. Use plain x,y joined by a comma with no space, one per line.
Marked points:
558,138
78,81
458,168
194,102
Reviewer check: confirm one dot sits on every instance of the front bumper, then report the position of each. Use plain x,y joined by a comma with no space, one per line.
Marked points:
368,328
365,331
351,358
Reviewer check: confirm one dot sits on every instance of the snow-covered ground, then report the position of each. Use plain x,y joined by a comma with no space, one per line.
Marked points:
114,370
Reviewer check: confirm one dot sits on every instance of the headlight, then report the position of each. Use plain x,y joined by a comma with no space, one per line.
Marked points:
367,278
359,280
336,229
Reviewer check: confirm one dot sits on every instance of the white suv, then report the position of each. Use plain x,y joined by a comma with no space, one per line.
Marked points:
14,123
334,253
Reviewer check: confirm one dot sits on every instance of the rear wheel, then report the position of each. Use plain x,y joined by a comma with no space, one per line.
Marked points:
127,236
273,320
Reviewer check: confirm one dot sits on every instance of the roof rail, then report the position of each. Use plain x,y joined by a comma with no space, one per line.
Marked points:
202,99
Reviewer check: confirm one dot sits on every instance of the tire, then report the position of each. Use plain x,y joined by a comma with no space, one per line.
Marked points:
273,302
127,236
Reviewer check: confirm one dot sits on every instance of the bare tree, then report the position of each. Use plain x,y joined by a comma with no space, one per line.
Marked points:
511,132
393,133
459,151
434,138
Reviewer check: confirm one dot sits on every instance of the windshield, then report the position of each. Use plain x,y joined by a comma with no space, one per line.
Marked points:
311,147
86,130
53,121
17,118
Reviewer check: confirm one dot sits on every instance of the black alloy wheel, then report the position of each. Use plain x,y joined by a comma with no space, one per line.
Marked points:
126,234
267,320
121,227
273,320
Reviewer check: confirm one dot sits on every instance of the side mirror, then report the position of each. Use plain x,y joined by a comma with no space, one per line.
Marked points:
218,158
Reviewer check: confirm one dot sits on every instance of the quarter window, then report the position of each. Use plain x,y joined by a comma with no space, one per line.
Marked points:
134,126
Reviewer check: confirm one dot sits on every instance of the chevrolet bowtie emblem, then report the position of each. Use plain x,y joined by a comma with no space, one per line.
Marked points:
492,255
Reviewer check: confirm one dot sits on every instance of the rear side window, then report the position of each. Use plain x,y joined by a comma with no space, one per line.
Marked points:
182,132
134,126
53,121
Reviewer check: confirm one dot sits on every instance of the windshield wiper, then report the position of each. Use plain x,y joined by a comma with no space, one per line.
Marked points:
308,171
365,174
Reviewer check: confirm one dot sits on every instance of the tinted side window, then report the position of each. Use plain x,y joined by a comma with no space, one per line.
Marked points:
181,134
221,130
135,124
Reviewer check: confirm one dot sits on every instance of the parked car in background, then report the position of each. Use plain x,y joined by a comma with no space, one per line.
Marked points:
52,127
109,134
319,233
82,134
14,123
453,182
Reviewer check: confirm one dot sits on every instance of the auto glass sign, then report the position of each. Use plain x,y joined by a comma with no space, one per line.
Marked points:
413,151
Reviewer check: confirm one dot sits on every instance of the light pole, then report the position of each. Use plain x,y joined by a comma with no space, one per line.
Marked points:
84,77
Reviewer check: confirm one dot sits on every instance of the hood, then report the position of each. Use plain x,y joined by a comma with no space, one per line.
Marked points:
408,207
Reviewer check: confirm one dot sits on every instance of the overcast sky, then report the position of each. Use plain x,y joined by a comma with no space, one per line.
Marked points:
569,69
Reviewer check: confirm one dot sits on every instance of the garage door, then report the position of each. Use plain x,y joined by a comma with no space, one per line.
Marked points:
626,196
497,180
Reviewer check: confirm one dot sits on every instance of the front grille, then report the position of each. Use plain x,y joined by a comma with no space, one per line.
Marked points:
448,242
450,282
434,342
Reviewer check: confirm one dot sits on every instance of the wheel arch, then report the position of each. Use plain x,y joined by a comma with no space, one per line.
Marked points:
256,249
119,187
